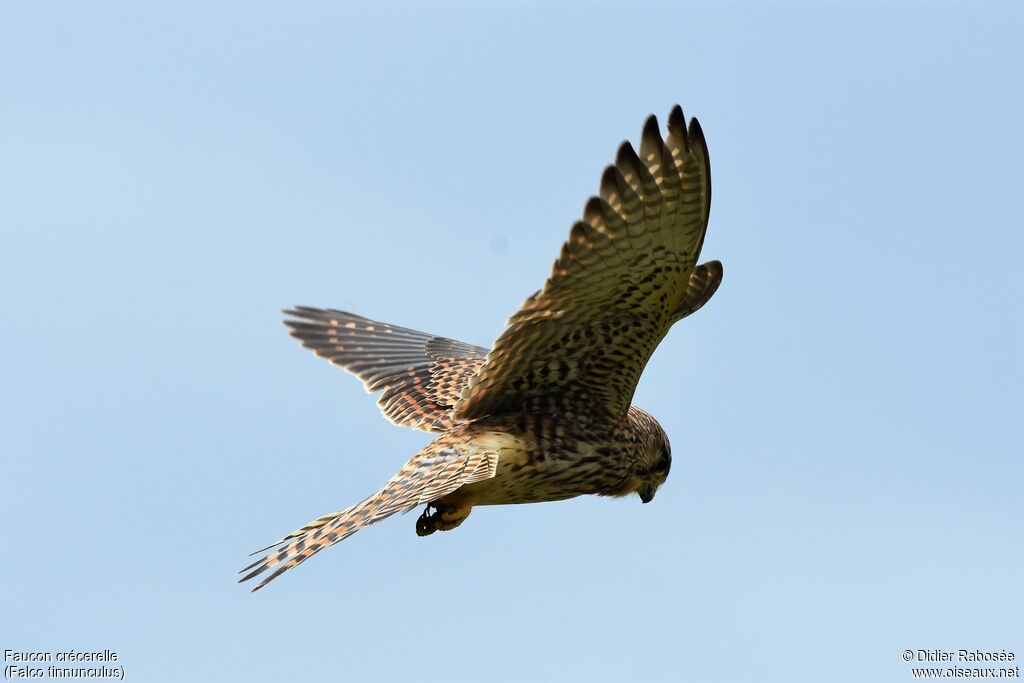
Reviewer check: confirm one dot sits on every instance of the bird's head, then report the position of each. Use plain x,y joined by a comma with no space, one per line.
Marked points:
651,468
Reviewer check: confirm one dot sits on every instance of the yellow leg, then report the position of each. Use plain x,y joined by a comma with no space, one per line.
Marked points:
443,518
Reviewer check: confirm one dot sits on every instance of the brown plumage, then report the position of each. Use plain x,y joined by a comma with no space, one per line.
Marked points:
545,414
420,375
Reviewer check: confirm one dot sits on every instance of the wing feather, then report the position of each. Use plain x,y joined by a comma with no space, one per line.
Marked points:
627,272
434,472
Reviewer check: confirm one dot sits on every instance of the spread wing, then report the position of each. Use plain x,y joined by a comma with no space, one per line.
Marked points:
434,472
421,375
626,274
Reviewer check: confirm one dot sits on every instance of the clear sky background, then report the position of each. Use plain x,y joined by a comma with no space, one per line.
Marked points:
847,414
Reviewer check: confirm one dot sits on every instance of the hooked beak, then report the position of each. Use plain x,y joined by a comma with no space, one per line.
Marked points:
646,493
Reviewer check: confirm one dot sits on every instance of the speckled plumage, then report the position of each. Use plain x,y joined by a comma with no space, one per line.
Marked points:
546,413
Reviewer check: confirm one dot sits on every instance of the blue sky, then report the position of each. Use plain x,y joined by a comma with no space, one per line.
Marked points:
846,414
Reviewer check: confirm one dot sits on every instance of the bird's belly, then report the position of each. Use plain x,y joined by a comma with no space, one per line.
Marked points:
527,476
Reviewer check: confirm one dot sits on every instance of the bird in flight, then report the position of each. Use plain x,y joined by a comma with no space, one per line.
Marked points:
546,413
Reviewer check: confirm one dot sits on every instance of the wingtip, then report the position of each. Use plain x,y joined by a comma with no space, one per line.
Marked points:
250,568
677,127
254,573
696,133
625,151
611,181
608,176
263,550
626,159
652,147
651,127
593,207
301,313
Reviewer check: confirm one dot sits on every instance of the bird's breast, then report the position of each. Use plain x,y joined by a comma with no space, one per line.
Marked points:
533,470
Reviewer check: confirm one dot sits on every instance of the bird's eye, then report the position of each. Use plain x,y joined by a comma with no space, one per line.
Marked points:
661,467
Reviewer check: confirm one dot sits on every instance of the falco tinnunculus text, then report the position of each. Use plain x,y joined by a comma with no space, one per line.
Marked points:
545,414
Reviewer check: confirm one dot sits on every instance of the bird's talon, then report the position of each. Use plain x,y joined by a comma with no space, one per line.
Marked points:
425,524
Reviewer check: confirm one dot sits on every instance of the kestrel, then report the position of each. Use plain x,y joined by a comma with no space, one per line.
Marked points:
546,413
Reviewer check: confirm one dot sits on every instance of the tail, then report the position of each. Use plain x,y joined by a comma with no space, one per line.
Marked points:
434,472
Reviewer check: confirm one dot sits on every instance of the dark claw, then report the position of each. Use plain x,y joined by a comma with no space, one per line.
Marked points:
425,523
